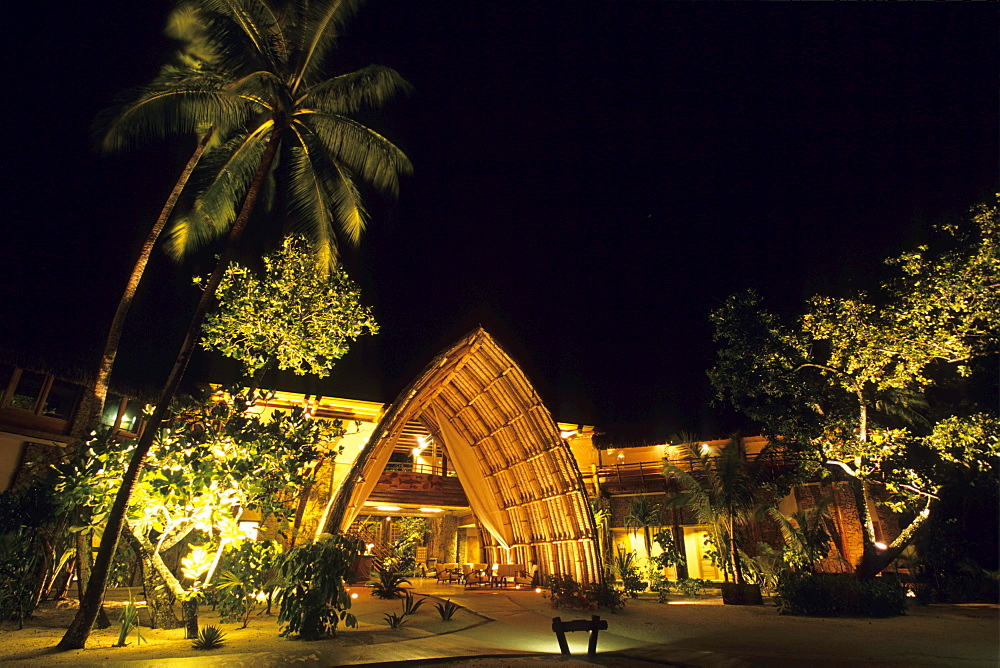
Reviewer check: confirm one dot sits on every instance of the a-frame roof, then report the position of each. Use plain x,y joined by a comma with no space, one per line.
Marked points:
518,473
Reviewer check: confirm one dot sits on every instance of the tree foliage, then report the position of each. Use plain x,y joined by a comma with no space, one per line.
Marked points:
292,314
845,382
273,64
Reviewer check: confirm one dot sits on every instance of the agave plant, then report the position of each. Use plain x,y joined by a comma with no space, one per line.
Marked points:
410,606
210,637
390,584
393,620
447,609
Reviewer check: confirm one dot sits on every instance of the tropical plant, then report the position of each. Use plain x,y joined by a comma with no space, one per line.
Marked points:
765,567
166,106
247,573
411,605
390,584
804,532
601,511
625,570
315,600
724,490
129,621
293,314
670,555
447,609
276,61
210,637
393,620
565,592
646,515
820,382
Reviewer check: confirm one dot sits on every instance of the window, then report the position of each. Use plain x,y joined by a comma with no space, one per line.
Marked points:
29,387
131,415
61,400
112,403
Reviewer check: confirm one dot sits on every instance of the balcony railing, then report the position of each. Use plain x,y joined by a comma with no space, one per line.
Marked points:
427,469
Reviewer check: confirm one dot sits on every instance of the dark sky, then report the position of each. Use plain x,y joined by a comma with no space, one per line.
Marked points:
592,178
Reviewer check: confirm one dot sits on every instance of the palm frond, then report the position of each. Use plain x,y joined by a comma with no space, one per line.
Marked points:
368,88
310,203
186,26
244,33
171,104
322,23
369,155
230,169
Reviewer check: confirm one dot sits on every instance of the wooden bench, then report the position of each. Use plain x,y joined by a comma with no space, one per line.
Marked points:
594,625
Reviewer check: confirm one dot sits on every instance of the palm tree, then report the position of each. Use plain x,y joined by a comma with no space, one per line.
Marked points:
299,124
181,100
724,490
642,514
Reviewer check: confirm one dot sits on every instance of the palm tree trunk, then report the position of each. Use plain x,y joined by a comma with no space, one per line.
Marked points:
677,534
92,404
78,632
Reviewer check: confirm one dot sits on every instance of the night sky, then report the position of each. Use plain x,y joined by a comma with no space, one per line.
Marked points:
591,180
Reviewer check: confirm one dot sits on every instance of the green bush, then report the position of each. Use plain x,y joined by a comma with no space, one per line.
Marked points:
315,600
565,592
247,571
881,597
801,593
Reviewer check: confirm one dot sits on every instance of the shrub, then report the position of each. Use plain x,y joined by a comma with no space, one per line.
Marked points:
565,592
246,572
801,593
314,600
390,584
881,597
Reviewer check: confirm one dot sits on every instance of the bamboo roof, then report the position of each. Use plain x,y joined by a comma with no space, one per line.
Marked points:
519,474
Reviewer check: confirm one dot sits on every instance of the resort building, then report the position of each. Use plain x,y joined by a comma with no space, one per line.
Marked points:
469,446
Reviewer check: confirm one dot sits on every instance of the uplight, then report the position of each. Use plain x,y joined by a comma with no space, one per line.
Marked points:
881,546
538,590
387,508
431,510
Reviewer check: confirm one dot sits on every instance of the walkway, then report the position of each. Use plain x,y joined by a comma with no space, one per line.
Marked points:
516,631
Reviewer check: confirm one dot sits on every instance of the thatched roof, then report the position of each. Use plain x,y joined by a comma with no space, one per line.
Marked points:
519,475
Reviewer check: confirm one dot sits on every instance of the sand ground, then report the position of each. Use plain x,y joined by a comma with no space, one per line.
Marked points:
513,628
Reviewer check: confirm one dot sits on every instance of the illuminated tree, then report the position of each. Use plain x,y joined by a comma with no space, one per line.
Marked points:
292,315
831,384
213,461
724,490
182,100
277,62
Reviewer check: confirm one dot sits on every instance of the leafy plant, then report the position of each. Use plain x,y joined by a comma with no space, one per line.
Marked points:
129,621
802,593
298,315
565,592
447,609
390,584
669,554
315,600
18,563
248,573
643,514
624,569
685,587
210,637
764,568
